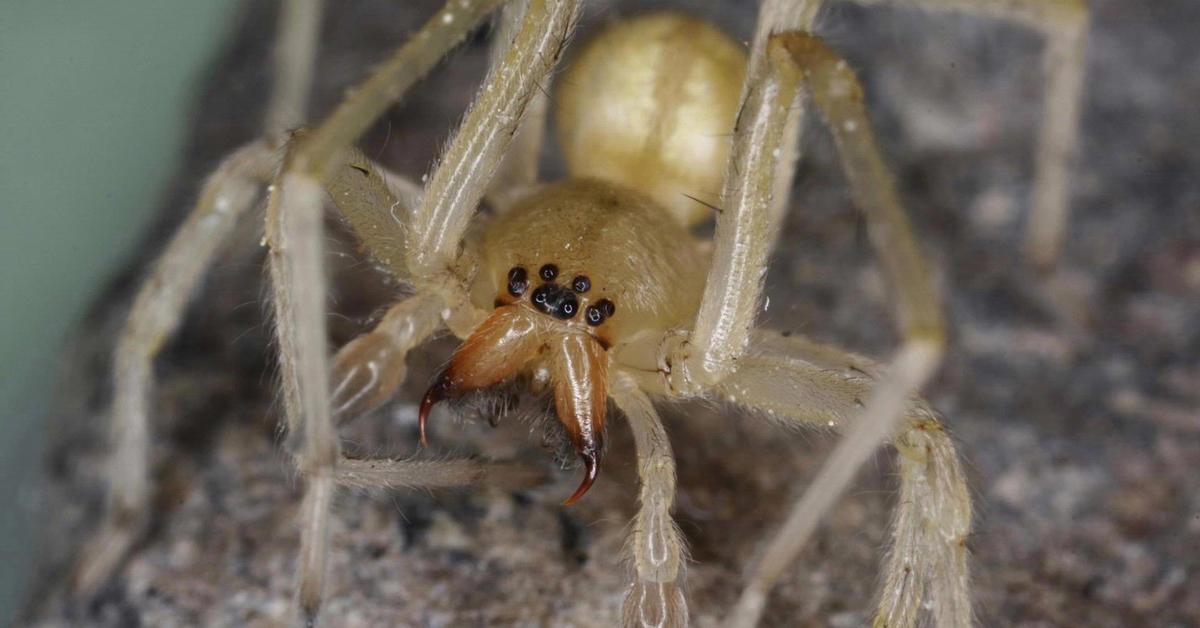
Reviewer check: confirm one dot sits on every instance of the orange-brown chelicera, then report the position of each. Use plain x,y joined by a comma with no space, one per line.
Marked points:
574,273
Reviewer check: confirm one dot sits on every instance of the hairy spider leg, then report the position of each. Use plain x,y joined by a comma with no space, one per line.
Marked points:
455,188
1064,24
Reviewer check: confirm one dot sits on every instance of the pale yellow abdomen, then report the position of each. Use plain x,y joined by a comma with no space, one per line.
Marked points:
651,103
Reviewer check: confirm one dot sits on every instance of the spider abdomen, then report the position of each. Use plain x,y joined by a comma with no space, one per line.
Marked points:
651,103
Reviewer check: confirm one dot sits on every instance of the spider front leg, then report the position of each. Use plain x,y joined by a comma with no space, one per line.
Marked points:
159,306
467,166
700,362
457,185
367,371
295,55
838,96
156,312
780,16
518,170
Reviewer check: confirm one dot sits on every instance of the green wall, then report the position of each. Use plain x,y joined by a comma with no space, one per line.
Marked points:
93,104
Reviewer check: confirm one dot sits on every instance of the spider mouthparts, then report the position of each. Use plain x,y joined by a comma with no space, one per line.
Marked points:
579,369
437,392
591,468
500,347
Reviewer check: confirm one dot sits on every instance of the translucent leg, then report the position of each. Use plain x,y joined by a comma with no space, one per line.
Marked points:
295,56
518,170
387,84
734,288
159,305
839,98
1064,24
777,16
298,289
466,167
368,370
294,235
377,206
655,597
380,473
797,382
742,240
156,312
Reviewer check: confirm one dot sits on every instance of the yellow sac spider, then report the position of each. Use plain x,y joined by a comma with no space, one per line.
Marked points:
595,287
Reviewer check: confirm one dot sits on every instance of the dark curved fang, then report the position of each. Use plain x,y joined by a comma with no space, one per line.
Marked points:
437,392
591,468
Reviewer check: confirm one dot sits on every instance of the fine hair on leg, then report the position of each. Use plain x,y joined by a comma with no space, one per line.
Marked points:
294,232
465,168
518,169
796,382
1064,24
159,307
295,55
655,598
228,194
838,97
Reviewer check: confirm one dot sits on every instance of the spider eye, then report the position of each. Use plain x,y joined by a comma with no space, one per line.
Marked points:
548,272
594,315
556,301
608,308
581,284
568,307
518,281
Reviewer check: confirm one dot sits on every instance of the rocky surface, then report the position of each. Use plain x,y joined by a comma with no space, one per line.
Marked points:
1075,402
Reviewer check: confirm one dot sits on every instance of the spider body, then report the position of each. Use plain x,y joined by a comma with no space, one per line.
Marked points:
595,286
576,271
603,260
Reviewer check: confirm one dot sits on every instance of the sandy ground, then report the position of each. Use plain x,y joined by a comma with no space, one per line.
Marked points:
1081,433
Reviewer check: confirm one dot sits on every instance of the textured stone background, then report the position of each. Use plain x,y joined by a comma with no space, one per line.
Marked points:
1081,435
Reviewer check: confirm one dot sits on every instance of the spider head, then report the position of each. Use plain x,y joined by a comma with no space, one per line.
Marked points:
569,271
568,301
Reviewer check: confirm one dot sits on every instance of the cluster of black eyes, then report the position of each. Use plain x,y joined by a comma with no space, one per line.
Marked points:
556,300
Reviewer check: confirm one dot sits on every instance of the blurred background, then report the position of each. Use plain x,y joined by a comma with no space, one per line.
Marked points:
94,110
1074,400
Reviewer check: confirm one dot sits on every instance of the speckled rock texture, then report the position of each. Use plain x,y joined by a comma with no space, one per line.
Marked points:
1076,402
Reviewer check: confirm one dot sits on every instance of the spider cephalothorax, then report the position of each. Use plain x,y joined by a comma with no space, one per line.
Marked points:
575,271
642,137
